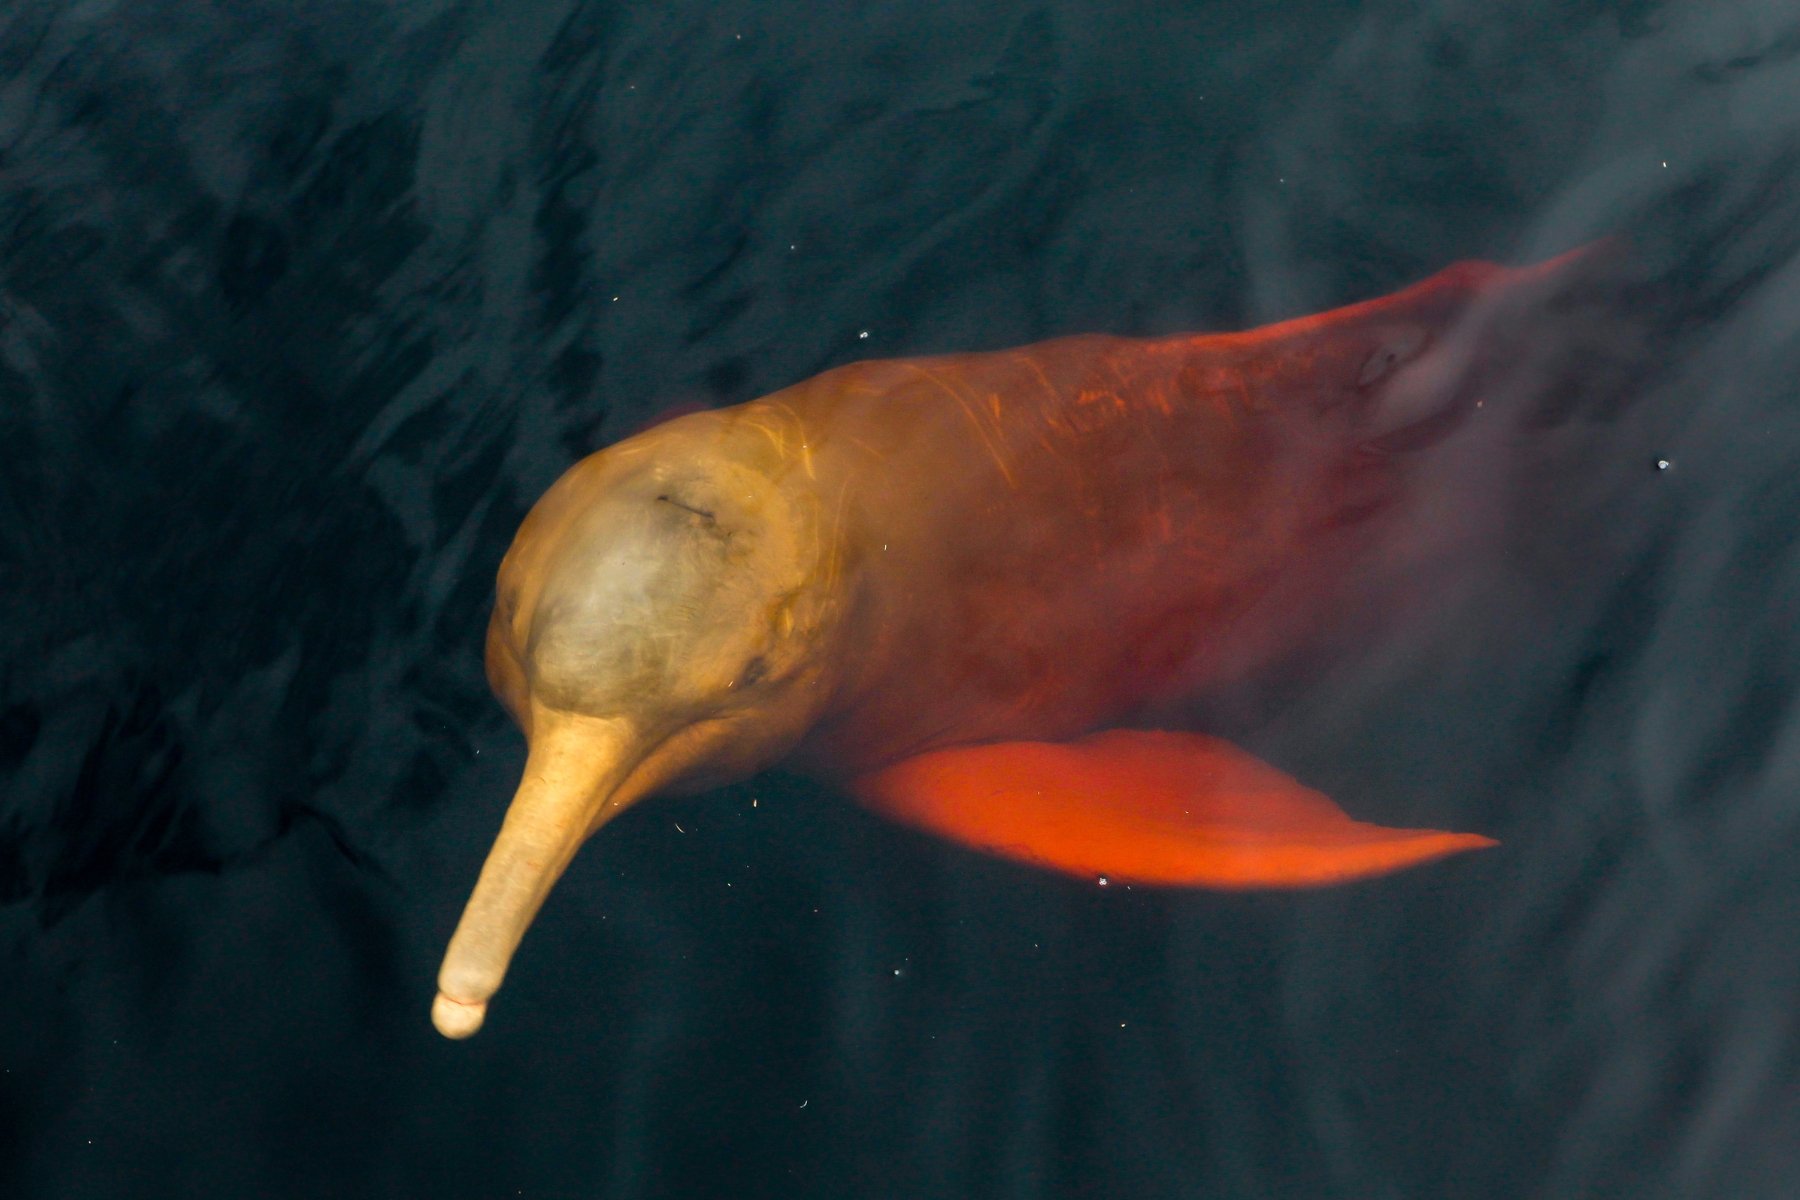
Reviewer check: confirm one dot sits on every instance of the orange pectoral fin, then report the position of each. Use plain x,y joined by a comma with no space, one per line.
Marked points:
1162,808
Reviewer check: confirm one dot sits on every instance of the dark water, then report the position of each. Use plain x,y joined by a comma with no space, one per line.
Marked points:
303,303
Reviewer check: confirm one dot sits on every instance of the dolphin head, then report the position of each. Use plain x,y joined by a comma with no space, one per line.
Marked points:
663,620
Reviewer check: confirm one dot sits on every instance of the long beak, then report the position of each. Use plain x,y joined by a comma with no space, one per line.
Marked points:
576,777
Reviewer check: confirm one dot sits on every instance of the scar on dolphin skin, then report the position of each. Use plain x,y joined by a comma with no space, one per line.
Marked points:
958,630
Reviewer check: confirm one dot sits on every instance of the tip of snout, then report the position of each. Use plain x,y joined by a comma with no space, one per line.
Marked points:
455,1019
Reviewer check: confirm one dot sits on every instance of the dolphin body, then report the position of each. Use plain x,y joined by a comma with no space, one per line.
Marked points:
930,581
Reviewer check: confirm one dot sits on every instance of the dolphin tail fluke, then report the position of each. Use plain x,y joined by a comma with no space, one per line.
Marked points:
1176,809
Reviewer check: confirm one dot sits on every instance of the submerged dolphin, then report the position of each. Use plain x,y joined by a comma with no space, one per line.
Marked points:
927,579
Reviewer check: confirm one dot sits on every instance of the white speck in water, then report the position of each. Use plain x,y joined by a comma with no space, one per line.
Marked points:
1665,163
1662,464
864,335
678,827
1104,881
615,299
753,802
804,1103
